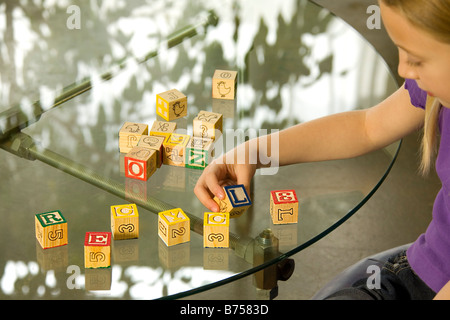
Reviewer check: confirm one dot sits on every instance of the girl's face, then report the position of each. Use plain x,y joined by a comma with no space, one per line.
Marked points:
421,56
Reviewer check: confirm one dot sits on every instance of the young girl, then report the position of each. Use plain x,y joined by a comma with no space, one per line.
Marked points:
421,31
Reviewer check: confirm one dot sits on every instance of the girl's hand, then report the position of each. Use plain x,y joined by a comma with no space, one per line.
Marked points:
216,175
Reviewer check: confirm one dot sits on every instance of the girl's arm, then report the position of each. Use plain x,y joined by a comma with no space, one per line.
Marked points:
337,136
351,134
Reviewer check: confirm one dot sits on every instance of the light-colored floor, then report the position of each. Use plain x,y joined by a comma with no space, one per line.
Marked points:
402,205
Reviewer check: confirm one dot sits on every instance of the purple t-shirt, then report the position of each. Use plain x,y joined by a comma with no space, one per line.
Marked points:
429,255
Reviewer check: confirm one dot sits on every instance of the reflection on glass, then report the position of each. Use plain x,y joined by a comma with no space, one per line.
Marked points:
296,62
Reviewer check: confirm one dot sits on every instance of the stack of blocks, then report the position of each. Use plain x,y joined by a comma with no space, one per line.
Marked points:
283,206
175,149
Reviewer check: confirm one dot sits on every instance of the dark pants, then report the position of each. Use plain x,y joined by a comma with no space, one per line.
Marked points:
397,282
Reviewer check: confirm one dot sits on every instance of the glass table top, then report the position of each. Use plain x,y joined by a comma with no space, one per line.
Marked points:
92,66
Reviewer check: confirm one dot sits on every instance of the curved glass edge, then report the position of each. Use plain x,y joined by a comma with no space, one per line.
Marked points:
325,232
289,253
298,248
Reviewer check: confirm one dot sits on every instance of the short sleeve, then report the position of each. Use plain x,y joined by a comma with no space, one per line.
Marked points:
418,96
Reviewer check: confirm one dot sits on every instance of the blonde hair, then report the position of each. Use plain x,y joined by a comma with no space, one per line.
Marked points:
432,16
430,134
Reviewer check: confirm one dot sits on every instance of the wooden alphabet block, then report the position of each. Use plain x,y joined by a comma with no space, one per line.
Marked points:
207,125
216,230
224,84
140,163
97,250
124,221
174,149
163,128
199,152
174,227
129,135
236,200
171,105
51,229
283,206
153,143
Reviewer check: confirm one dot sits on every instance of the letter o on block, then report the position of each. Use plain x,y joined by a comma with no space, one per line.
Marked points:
140,163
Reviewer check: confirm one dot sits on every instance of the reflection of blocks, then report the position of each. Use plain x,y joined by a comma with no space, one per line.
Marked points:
97,250
124,221
171,105
135,189
140,163
174,257
162,128
98,279
224,84
226,108
55,259
207,125
129,135
154,143
174,227
174,149
286,234
174,179
236,200
51,229
126,251
216,231
199,153
283,206
215,259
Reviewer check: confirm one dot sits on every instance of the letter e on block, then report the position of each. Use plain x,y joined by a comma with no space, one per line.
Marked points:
283,206
51,229
216,230
174,227
97,250
124,222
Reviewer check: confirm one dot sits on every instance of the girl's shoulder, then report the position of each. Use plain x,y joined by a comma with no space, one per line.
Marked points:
418,96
